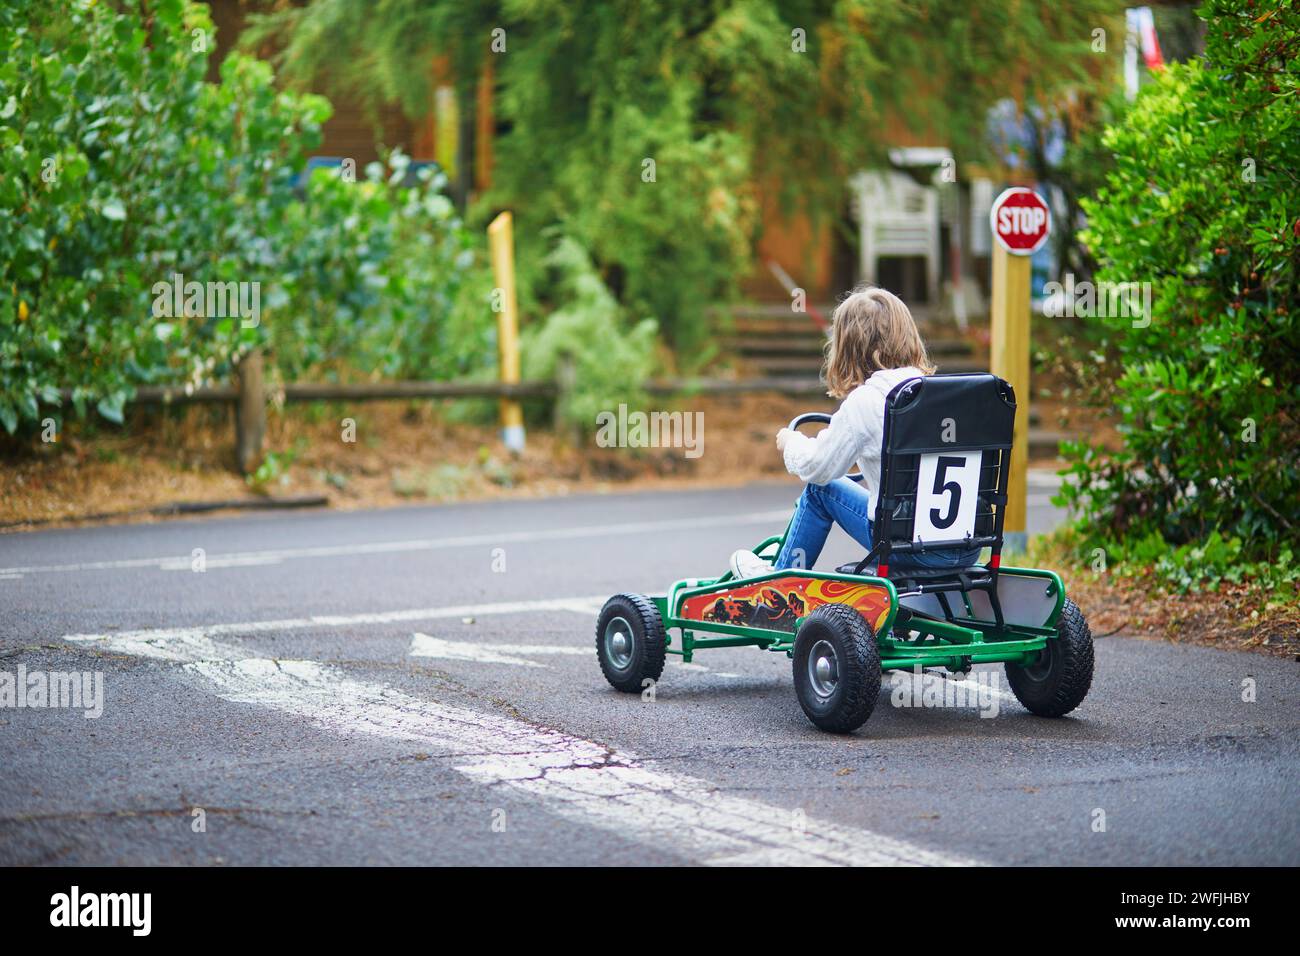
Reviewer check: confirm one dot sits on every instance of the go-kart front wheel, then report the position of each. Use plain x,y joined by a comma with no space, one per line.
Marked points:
630,642
836,668
1059,679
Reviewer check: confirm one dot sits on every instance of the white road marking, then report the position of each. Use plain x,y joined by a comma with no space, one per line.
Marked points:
703,669
580,780
247,558
166,643
971,688
424,645
584,605
228,561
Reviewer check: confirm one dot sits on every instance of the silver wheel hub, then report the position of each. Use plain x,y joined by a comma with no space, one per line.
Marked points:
823,668
618,643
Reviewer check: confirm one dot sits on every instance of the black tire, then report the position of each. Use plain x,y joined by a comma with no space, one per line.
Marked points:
647,644
1059,680
845,707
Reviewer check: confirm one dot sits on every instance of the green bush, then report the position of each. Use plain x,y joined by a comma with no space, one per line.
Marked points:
381,281
120,167
1203,204
611,360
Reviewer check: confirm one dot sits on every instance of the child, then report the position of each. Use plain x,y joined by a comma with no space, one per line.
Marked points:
874,345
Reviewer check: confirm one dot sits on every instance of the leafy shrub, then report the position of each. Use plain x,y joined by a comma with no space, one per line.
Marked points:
1203,204
121,167
1189,568
381,280
611,360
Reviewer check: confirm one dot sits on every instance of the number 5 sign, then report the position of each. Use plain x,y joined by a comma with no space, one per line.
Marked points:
947,495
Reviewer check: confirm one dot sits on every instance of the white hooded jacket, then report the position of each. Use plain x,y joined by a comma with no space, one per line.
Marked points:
855,434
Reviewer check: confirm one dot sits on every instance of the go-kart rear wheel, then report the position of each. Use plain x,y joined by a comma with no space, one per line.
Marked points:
1058,681
630,642
836,668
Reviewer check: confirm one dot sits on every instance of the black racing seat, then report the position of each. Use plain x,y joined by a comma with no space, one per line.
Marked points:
943,482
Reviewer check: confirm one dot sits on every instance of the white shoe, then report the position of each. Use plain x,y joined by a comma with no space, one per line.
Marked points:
746,564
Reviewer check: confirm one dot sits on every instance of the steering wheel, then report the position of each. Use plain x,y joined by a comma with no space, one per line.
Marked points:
822,418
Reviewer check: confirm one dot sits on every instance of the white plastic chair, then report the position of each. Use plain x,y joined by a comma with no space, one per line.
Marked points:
897,217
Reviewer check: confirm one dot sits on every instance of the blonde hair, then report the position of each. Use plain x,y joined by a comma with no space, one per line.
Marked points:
871,330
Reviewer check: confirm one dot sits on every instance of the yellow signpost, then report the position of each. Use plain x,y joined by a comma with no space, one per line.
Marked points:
1010,360
1020,221
502,244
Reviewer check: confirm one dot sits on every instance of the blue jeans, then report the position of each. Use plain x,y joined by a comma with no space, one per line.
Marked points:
845,502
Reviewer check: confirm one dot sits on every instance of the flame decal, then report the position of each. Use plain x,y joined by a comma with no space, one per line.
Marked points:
778,603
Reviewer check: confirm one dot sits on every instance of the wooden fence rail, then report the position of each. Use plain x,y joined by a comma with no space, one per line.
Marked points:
251,414
250,396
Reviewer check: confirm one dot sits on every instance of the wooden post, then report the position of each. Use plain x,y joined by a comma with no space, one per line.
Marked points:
1010,360
250,415
1020,221
501,240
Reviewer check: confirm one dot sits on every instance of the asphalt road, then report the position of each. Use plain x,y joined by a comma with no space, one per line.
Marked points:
419,686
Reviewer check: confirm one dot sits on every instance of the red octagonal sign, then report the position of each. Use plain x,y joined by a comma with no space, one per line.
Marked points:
1020,221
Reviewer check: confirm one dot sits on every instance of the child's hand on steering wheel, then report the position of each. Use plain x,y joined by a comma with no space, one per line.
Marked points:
782,437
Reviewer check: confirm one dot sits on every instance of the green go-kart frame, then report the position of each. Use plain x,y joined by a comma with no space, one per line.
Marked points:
843,629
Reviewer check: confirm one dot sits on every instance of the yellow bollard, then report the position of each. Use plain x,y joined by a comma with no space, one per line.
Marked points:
1009,359
501,241
1020,221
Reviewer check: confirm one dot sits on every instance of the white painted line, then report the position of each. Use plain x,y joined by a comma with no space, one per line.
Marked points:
247,558
703,669
229,561
580,780
423,645
968,686
587,605
176,643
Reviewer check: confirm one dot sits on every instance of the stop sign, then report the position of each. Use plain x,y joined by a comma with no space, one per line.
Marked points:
1020,221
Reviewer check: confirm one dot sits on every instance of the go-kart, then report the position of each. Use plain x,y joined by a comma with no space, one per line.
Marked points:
944,465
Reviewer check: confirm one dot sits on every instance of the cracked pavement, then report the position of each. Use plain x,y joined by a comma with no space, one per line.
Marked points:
318,739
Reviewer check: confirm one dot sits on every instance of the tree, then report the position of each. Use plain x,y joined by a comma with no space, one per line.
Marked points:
1204,204
639,129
